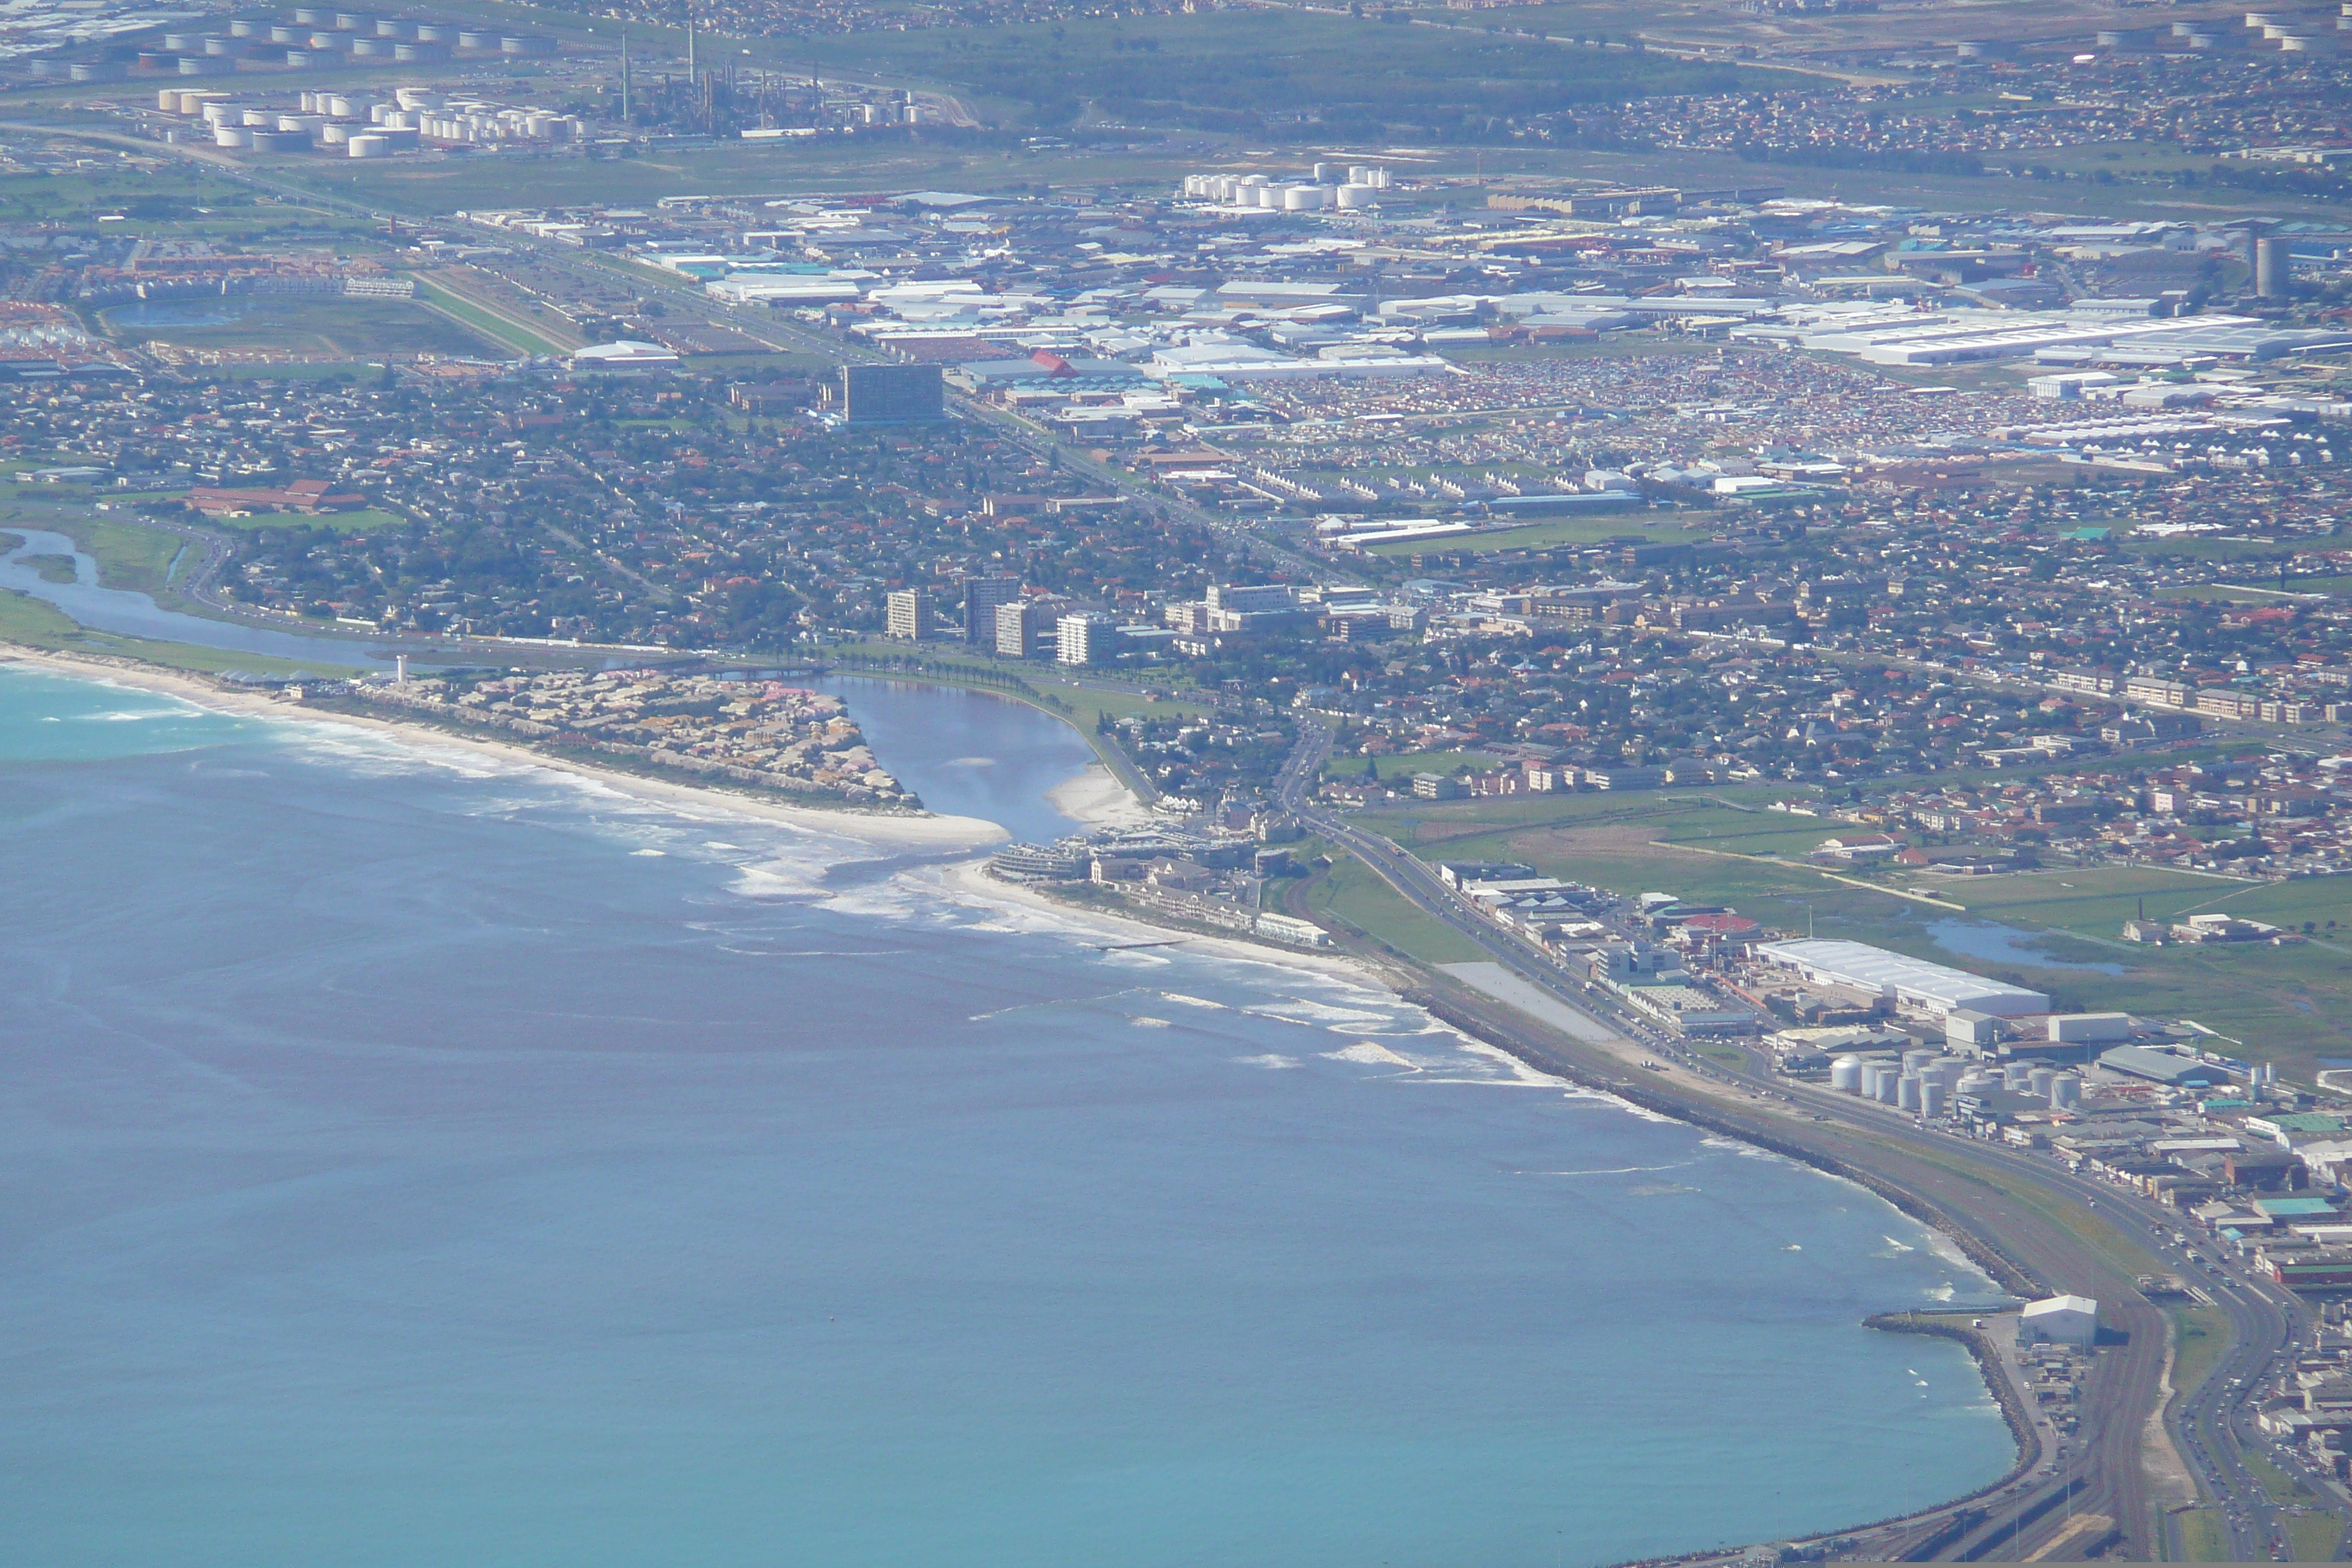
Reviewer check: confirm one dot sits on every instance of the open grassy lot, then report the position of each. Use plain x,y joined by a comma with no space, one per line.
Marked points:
1407,764
1572,530
361,520
1249,70
327,325
498,329
1351,893
2292,1004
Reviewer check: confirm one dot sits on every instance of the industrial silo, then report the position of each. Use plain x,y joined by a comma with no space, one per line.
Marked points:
1845,1075
2066,1091
370,145
1906,1092
1935,1101
2037,1080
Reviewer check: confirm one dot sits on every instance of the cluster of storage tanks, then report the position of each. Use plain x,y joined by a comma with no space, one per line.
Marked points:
1350,189
360,126
319,37
1926,1081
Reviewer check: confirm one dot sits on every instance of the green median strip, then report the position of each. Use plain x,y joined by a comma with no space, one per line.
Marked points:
499,329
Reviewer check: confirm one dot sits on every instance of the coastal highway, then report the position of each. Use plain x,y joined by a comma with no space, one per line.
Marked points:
2046,1228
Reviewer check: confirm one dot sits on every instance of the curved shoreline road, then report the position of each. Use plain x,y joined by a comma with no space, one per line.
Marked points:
2137,1457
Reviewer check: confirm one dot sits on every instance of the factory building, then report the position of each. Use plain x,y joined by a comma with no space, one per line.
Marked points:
2060,1320
1906,982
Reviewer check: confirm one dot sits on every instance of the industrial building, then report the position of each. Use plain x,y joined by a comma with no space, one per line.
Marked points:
892,394
2163,1067
1907,981
2060,1320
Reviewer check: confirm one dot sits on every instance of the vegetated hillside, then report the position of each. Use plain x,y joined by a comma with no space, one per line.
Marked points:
1272,73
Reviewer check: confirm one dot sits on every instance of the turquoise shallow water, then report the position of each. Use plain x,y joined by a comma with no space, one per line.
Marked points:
407,1159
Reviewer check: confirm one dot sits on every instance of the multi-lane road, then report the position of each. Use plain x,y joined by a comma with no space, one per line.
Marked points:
2136,1457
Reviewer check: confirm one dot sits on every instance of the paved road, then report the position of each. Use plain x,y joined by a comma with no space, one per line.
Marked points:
2100,1468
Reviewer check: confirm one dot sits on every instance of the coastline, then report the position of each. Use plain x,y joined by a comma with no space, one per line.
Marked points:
924,832
1095,798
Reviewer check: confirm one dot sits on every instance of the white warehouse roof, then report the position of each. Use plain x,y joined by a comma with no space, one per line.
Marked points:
1933,986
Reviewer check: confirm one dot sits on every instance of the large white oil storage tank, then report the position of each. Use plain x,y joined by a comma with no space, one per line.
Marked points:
1354,198
2037,1080
1890,1085
367,146
217,114
281,142
1303,199
2066,1091
308,124
336,104
232,136
2017,1077
1906,1092
337,132
1845,1075
1934,1100
263,118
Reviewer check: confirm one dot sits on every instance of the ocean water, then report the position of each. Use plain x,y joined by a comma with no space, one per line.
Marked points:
411,1159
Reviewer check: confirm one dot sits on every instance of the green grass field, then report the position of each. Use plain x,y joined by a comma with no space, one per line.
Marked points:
1632,523
2204,1536
496,331
1354,894
361,520
1404,766
2290,1005
350,328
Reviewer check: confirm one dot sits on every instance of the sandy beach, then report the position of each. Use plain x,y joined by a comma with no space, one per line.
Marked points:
1098,799
925,832
1094,798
